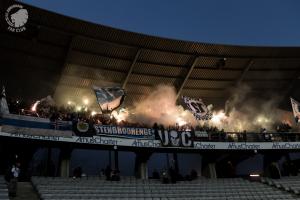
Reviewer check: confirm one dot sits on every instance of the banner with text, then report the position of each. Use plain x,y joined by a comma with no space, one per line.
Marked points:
124,131
150,143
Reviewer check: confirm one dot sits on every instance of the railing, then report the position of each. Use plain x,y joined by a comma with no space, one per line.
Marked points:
32,123
250,137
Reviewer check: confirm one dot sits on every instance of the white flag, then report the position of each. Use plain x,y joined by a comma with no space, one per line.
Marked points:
109,98
3,103
296,109
198,108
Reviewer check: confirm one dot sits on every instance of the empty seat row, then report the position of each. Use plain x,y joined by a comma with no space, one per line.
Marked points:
64,188
289,183
3,189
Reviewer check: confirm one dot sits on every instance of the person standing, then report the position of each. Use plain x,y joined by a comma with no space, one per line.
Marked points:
108,172
13,183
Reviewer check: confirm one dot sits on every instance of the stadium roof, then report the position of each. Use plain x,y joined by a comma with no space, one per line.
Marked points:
59,55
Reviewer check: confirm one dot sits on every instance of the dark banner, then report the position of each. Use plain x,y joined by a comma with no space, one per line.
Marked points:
124,131
83,129
173,138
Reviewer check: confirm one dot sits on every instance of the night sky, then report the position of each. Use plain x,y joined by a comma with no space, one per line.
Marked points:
255,22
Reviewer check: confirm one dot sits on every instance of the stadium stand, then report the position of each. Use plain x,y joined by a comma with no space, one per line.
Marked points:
3,189
288,183
131,188
64,58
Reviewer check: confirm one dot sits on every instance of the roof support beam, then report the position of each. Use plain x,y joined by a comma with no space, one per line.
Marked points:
245,70
65,62
241,78
187,76
131,68
291,86
68,52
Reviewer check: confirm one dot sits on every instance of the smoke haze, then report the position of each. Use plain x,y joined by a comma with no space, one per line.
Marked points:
241,112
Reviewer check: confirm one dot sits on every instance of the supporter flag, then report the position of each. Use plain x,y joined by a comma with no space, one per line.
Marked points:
3,103
296,109
109,98
198,108
82,127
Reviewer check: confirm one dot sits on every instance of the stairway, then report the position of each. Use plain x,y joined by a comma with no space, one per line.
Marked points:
25,192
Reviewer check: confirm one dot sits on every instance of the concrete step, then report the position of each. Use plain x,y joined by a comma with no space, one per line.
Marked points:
25,191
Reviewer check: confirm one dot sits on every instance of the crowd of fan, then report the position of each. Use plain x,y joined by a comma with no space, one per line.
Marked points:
68,113
47,109
65,113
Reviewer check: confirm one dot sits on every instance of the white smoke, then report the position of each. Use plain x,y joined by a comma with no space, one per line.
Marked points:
241,111
251,113
160,107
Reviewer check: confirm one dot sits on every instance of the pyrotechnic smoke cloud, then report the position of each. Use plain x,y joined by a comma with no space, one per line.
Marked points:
243,112
160,106
251,113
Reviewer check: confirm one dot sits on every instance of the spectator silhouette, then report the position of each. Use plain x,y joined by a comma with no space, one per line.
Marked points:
108,172
194,174
155,174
